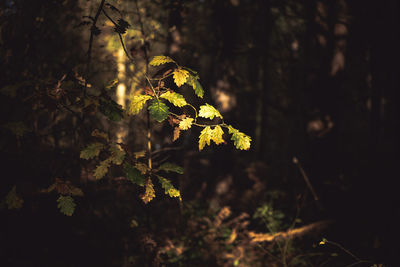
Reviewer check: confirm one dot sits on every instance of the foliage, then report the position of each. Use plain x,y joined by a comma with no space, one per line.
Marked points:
92,150
134,175
66,205
170,167
149,193
209,112
169,188
160,111
13,201
137,103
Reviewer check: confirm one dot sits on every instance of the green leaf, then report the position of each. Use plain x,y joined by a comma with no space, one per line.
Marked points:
134,175
180,76
194,82
217,134
158,110
169,188
91,151
174,98
137,103
170,167
205,137
198,89
186,123
102,169
66,205
111,109
208,111
241,140
117,155
159,60
13,201
18,128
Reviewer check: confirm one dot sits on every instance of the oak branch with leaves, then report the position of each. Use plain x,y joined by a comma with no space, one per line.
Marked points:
156,97
160,111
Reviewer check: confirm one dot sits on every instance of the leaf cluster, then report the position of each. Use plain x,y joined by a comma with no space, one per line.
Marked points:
160,111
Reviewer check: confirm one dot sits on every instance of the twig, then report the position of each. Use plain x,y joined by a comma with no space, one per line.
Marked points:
303,173
89,53
149,160
120,37
358,260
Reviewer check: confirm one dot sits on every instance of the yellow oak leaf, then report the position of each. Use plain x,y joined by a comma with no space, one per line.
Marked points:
149,192
180,76
205,137
217,134
159,60
137,103
174,98
186,123
208,111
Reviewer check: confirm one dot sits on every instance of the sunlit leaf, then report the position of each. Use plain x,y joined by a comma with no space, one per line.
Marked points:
13,201
170,167
149,192
241,140
137,103
158,110
91,151
217,134
186,123
180,76
169,188
66,205
159,60
134,175
208,111
205,137
174,98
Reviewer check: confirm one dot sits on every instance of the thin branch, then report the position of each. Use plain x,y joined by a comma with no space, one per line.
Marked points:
89,52
303,173
120,37
147,72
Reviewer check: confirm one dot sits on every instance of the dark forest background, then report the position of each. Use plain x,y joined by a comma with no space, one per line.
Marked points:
314,83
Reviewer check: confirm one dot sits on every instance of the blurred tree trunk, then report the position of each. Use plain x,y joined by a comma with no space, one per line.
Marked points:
259,73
